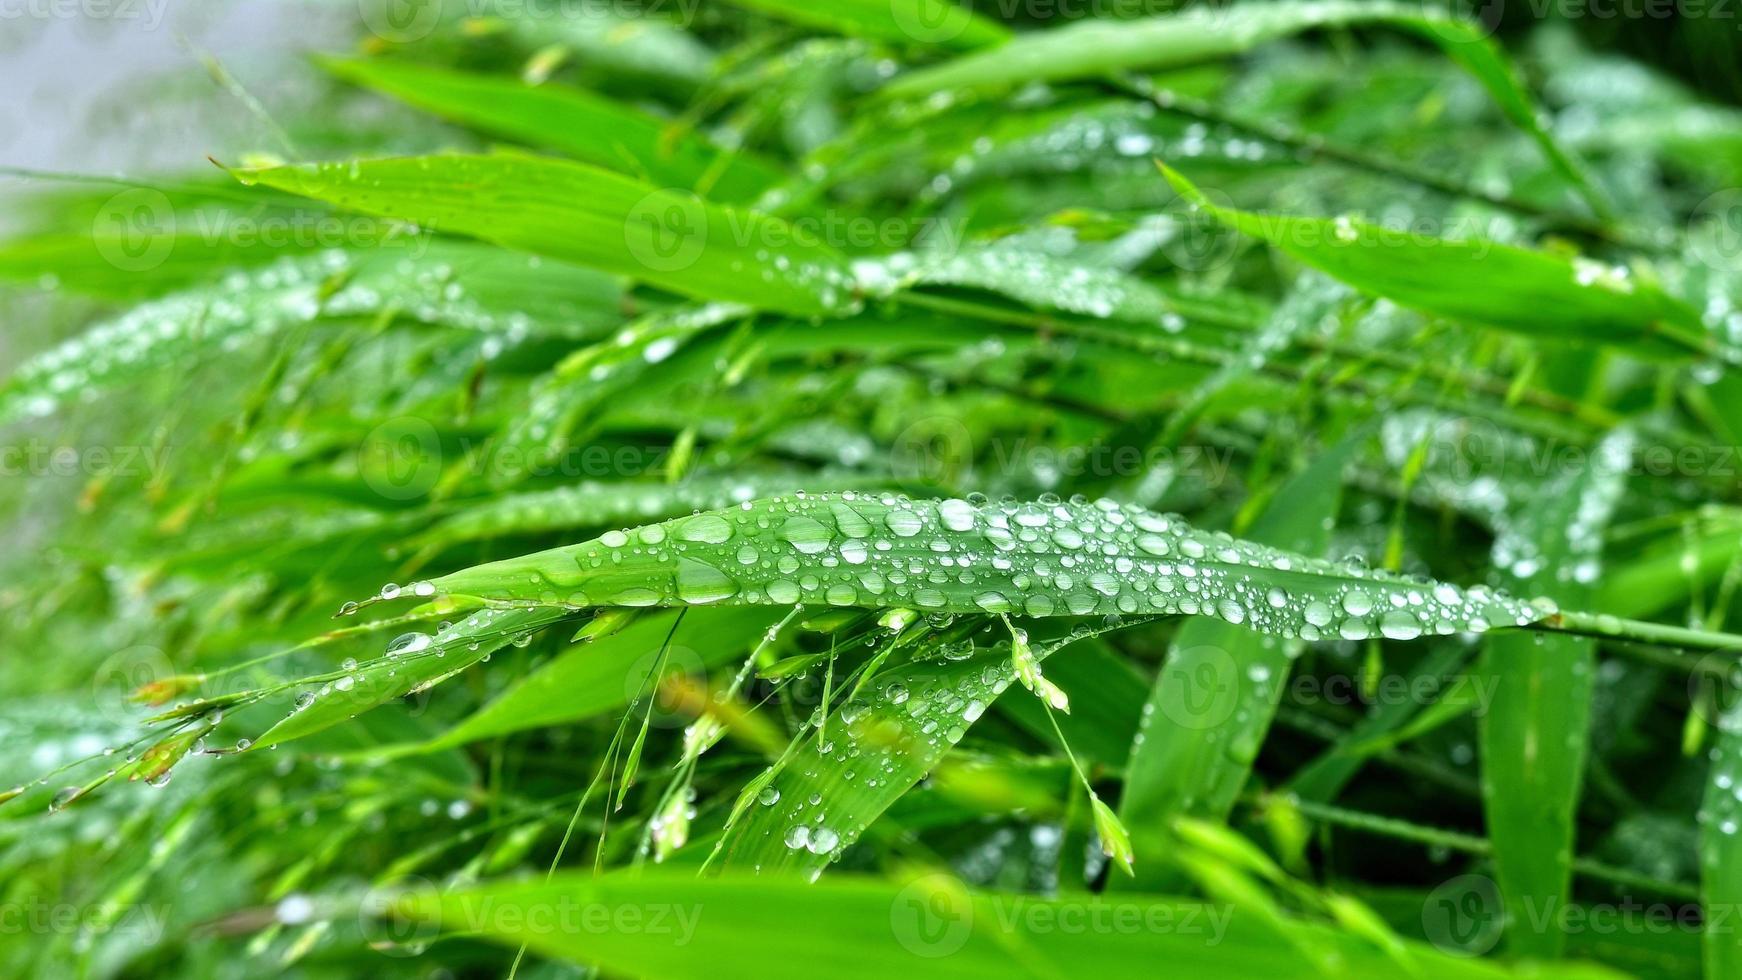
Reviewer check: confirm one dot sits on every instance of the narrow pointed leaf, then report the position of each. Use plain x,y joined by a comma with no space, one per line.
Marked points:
1535,734
424,662
592,217
1096,47
575,122
1214,697
945,23
1043,558
1481,282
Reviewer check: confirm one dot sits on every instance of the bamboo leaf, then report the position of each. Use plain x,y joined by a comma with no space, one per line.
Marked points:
1042,558
1535,733
1481,282
592,217
461,285
588,127
940,22
414,662
1096,47
931,927
1213,699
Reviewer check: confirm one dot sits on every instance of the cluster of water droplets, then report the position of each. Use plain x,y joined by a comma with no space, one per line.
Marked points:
1124,137
593,373
415,659
1520,548
886,739
1047,281
1721,809
1047,557
591,503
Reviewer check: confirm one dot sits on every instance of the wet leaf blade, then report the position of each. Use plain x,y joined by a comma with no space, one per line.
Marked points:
593,217
1213,700
882,551
1096,47
373,684
1480,282
930,927
591,128
1535,734
939,22
1721,845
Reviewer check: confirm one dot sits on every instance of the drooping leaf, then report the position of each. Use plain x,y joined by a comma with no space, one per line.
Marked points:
1096,47
414,662
945,23
588,127
592,217
1481,282
1042,558
461,285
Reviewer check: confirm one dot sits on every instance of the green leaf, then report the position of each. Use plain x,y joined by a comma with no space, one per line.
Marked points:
1214,697
599,503
463,285
414,662
1721,844
601,675
945,23
668,923
593,217
1481,282
1042,558
1096,47
1535,734
580,124
824,794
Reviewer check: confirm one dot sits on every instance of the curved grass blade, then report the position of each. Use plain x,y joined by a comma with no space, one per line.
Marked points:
1721,844
822,796
939,22
932,926
1481,282
1042,558
1535,734
1213,699
588,127
462,284
593,217
595,503
415,662
1094,48
601,675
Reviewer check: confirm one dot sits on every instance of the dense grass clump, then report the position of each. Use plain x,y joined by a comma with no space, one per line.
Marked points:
881,488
